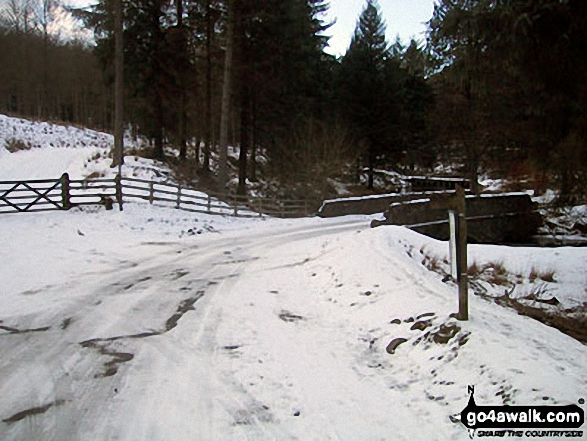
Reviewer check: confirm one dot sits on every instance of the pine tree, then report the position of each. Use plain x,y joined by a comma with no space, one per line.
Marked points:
281,75
369,88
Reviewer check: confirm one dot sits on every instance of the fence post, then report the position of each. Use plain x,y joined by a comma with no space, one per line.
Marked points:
151,192
209,204
235,202
65,196
118,183
178,197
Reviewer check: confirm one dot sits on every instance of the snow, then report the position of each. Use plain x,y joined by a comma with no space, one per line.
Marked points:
46,151
153,323
362,198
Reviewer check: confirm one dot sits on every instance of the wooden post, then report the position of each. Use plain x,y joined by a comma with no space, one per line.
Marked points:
456,202
65,196
118,182
461,254
209,204
178,197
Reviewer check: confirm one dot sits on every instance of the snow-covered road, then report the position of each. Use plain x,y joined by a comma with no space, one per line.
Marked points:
188,342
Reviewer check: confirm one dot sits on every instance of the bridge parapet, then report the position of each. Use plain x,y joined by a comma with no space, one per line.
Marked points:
369,204
499,218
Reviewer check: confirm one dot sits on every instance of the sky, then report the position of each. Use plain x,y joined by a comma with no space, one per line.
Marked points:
406,18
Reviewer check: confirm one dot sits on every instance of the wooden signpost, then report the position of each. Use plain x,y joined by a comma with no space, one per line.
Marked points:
455,204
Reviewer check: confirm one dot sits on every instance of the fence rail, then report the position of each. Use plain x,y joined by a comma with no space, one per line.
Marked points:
65,193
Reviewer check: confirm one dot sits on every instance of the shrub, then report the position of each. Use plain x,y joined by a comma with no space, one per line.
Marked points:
497,274
14,145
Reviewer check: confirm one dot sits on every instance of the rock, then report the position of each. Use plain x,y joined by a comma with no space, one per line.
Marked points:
445,333
392,346
421,325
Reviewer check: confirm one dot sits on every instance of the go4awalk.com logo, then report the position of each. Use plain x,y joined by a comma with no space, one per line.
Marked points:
523,421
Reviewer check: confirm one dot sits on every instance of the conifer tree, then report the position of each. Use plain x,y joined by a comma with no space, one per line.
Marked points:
369,87
520,67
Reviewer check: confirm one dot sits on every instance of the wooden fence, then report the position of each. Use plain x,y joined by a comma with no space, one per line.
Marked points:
64,193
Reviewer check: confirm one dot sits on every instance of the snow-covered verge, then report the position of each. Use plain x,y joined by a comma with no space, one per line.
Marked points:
548,284
155,324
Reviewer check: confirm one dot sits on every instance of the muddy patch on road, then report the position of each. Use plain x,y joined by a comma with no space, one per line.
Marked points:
11,330
120,357
32,411
185,306
111,366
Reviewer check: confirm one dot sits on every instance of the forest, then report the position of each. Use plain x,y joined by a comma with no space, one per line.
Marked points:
498,88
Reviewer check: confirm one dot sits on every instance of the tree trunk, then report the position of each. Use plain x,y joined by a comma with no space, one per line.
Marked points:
225,107
157,78
208,140
244,144
371,167
118,154
182,83
473,159
183,145
158,108
253,146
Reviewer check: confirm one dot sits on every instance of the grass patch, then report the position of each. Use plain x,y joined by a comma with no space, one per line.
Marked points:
431,262
544,275
492,272
474,270
497,274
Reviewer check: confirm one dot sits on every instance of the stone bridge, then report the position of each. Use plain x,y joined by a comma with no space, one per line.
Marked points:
491,218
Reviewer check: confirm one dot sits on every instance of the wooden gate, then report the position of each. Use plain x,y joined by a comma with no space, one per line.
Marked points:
32,195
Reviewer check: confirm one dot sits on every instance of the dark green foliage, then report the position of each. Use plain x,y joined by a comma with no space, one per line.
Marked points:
520,65
366,90
283,68
383,94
